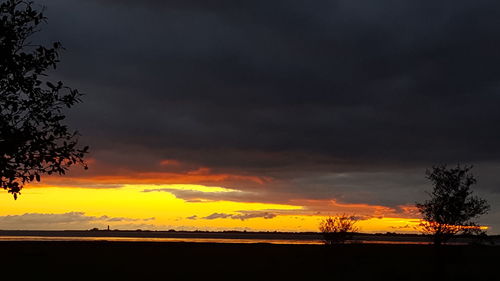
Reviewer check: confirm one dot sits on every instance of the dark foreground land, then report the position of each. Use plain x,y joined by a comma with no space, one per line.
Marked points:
102,260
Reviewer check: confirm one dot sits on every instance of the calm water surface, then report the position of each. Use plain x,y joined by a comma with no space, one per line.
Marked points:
197,240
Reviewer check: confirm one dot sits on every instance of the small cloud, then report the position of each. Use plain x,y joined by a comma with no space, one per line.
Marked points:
170,162
401,227
244,215
250,215
217,216
194,217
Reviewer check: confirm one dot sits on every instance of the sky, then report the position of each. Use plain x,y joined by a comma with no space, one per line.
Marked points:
268,115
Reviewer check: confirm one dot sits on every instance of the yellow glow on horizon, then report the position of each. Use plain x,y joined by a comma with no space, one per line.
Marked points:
129,201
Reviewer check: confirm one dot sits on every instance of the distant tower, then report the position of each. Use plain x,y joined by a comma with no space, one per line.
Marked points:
108,227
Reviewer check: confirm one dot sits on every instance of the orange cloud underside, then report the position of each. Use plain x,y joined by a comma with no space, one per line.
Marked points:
198,176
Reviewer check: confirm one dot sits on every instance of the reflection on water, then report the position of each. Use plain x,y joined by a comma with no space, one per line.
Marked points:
198,240
155,239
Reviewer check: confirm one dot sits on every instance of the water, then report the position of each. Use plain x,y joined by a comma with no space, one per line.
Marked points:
201,240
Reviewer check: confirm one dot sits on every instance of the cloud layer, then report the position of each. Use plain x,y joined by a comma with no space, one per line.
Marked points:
345,81
69,220
346,100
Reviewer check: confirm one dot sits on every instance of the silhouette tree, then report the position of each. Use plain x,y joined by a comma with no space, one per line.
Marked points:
452,208
338,229
33,139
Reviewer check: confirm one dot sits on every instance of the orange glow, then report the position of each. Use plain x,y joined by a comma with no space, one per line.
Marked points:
201,175
129,207
434,227
332,208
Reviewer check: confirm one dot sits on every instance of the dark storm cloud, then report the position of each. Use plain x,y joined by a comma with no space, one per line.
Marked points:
302,91
386,82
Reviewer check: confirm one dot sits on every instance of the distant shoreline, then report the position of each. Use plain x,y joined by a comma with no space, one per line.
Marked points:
292,236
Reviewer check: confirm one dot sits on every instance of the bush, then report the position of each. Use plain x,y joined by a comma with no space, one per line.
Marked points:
338,229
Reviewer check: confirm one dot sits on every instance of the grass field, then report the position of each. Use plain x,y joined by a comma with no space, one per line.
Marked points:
180,261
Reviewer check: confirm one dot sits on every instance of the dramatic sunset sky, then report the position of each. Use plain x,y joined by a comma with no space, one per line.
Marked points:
268,115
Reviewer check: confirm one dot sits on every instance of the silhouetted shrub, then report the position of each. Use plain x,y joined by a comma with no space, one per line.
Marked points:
338,229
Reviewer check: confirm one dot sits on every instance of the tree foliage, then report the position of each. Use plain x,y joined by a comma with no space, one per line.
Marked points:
338,229
33,139
452,209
